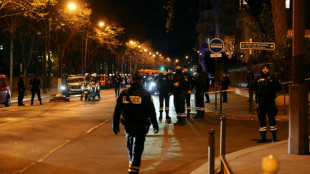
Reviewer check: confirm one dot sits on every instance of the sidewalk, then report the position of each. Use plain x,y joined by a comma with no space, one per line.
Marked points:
248,161
28,96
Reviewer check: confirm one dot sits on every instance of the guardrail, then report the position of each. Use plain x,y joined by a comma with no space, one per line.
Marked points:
221,96
224,167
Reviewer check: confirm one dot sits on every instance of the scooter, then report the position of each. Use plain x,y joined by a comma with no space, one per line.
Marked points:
90,91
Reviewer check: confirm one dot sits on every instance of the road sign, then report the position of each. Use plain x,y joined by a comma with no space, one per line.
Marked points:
215,55
257,45
216,45
290,33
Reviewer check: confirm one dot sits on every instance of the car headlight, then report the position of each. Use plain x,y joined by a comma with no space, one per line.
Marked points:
89,87
152,84
63,87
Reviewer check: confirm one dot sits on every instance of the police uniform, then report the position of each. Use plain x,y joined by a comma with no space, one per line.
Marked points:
35,88
163,87
225,83
178,89
200,86
188,88
138,112
266,88
21,91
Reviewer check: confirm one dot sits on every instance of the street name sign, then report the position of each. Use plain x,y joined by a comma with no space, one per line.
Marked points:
258,45
215,55
216,45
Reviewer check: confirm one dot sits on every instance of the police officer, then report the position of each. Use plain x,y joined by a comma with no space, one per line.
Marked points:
178,89
163,87
207,87
266,87
117,80
200,85
35,88
21,90
225,83
188,89
136,106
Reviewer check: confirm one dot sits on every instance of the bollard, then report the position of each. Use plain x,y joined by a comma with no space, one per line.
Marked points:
222,141
270,165
211,152
221,103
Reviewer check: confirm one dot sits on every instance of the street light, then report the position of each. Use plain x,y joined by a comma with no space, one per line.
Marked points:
72,6
101,24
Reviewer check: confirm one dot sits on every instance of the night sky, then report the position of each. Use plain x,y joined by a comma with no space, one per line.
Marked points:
145,20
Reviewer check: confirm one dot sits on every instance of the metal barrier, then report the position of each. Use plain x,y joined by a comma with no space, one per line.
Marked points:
221,96
224,167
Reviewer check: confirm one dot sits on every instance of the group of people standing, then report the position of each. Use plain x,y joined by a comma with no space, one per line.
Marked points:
35,89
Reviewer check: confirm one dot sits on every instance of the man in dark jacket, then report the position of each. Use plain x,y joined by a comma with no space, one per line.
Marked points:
178,90
266,87
21,90
200,86
188,89
117,80
225,83
138,112
163,87
35,88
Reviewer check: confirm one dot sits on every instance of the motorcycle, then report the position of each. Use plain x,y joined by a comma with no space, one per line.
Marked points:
90,90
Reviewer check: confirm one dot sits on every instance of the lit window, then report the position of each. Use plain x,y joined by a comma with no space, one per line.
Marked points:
287,3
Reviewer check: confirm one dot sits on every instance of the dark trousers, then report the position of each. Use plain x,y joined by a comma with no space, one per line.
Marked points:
269,109
207,95
135,145
163,97
200,106
20,97
224,94
117,89
188,101
179,103
38,94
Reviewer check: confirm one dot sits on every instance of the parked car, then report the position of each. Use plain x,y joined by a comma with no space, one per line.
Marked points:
73,85
5,91
104,81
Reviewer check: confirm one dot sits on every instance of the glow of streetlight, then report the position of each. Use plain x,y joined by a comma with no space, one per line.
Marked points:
186,57
131,42
150,53
101,24
154,55
157,53
145,50
72,6
177,60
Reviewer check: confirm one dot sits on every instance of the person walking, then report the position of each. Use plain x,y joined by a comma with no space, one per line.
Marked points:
200,86
117,80
35,88
188,90
163,87
178,89
136,106
266,87
207,87
21,90
225,83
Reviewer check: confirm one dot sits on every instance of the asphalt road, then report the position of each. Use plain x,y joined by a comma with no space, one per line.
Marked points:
76,137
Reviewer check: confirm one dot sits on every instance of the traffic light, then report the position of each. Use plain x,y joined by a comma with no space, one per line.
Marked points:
162,68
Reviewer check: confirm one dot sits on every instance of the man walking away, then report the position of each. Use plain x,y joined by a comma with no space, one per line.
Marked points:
178,90
200,85
138,112
188,90
225,83
21,90
35,88
266,87
163,86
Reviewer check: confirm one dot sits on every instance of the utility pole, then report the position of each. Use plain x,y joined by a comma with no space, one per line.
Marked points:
298,117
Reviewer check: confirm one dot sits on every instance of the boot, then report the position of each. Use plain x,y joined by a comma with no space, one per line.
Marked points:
182,121
188,113
263,139
167,115
197,115
178,122
160,115
41,103
274,136
202,114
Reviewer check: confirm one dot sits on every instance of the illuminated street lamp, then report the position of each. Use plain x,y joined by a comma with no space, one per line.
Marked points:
72,6
186,57
101,24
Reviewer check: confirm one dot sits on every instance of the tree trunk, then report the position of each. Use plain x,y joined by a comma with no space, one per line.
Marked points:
11,59
279,20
